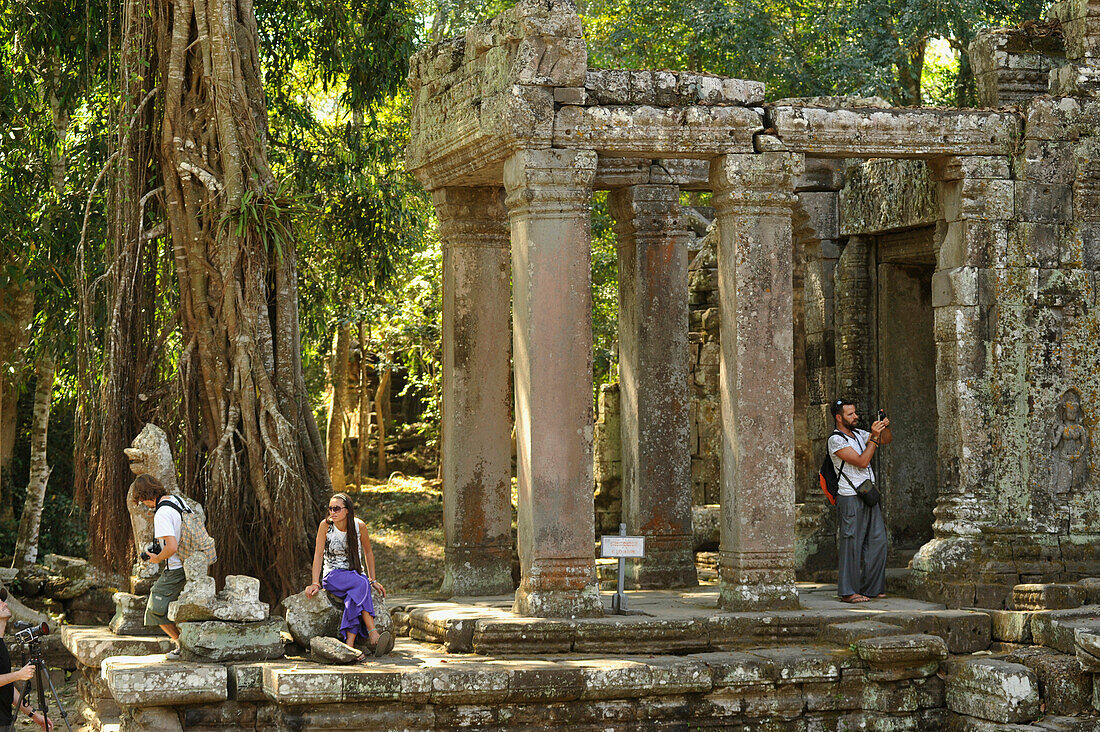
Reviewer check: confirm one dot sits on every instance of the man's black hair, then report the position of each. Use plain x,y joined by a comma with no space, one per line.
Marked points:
838,406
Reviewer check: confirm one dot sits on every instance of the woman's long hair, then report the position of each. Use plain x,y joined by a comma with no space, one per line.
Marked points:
353,534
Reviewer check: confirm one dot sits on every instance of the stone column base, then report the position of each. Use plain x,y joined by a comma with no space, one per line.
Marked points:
477,571
756,581
780,596
669,562
559,588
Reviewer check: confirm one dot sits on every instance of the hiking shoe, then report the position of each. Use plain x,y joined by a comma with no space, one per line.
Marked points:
173,655
385,643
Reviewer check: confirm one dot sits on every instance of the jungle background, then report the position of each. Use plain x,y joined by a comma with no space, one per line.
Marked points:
124,283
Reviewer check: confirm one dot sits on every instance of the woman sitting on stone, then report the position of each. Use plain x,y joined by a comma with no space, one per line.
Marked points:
340,571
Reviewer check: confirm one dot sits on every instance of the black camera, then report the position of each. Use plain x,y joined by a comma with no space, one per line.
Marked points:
26,632
881,414
153,549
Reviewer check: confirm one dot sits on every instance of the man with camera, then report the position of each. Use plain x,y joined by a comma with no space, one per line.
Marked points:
861,531
10,701
167,528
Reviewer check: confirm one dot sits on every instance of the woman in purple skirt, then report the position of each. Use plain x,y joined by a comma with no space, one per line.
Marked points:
340,571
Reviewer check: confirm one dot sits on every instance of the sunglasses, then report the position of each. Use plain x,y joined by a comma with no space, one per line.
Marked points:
335,509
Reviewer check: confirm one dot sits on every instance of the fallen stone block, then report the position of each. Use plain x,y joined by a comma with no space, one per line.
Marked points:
1063,687
992,689
139,681
1048,596
1087,649
196,601
240,600
908,697
1010,626
308,617
1042,623
246,681
152,719
329,650
900,657
218,640
1091,586
129,617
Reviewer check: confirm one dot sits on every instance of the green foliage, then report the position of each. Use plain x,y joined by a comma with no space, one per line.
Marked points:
797,48
605,295
64,524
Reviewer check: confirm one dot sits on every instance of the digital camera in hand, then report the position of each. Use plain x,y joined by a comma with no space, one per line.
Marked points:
153,549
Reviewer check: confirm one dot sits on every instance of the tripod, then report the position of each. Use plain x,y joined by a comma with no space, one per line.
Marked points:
33,652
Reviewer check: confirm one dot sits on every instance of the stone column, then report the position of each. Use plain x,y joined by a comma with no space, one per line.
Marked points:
653,382
549,205
854,308
476,424
753,200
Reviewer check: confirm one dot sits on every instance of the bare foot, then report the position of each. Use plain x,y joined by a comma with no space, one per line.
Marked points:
881,596
855,598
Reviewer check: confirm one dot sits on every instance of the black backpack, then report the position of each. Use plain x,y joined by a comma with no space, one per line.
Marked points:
827,476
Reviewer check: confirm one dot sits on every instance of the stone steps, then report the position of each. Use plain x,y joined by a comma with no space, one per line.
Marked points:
418,687
488,631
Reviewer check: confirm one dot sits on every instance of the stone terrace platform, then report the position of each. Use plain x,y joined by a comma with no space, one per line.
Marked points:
680,622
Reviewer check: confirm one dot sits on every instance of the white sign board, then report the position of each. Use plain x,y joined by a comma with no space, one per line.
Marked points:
622,547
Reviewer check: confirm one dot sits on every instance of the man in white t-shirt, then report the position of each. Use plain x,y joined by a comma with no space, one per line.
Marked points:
167,528
861,531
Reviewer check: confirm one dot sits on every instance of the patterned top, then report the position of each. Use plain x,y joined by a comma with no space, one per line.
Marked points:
336,550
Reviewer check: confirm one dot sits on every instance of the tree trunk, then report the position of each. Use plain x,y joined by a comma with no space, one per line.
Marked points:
266,477
340,353
26,543
129,332
381,399
364,403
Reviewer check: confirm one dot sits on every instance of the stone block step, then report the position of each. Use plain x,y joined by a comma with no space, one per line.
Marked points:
92,644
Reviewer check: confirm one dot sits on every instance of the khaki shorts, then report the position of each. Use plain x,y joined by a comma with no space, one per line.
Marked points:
167,588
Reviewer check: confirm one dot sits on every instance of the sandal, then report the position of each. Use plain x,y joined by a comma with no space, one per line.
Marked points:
855,598
385,643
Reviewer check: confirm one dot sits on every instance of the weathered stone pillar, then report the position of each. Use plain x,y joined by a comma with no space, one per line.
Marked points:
855,349
653,382
753,200
549,205
476,424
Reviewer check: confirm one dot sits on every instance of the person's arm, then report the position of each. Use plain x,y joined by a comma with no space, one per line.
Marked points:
886,436
21,674
35,715
368,557
318,558
168,547
863,459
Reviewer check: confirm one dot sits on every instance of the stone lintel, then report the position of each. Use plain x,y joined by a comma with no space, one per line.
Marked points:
887,195
754,200
655,132
549,205
893,133
477,424
689,174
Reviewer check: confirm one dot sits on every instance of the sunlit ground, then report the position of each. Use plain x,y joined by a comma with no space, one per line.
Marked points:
405,517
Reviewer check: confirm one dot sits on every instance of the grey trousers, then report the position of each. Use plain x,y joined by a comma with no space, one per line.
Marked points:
860,547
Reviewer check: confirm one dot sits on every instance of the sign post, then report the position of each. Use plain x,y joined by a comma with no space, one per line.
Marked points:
622,547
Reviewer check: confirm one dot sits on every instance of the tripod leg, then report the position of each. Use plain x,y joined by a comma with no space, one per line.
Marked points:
53,693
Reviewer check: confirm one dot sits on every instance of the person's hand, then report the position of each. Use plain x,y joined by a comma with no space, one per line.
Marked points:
378,585
879,426
42,721
313,589
24,673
